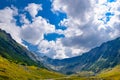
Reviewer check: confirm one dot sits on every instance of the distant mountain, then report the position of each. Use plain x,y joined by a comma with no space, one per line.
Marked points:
15,52
97,59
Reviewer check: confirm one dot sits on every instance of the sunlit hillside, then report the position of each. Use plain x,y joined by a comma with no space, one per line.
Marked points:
111,74
12,71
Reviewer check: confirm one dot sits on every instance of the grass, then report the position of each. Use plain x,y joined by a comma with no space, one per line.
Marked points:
13,71
110,74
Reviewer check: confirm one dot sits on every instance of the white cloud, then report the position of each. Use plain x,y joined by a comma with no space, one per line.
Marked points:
8,23
55,49
76,10
34,32
33,9
85,22
24,20
52,49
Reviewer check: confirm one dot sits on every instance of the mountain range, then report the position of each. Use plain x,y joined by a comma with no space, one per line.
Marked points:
97,62
105,56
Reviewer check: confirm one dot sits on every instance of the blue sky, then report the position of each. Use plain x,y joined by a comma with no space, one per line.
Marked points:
45,13
59,28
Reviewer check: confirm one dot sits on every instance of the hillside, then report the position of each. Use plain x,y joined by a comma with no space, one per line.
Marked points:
112,73
17,63
105,56
15,52
12,71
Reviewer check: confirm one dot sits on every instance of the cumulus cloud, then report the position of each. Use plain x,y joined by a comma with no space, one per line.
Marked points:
76,9
8,23
33,9
53,49
56,50
34,32
87,23
90,37
24,20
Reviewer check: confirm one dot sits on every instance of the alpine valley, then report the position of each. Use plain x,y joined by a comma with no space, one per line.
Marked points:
18,63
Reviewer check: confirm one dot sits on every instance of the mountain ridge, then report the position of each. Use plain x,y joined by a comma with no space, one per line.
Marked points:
15,52
105,56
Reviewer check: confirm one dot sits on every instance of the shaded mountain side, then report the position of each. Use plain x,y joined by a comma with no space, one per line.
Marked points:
15,52
97,59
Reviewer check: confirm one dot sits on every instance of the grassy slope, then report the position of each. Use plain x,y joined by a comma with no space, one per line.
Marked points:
111,74
12,71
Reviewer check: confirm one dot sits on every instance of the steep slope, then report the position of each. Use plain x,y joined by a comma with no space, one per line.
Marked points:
12,71
97,59
15,52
